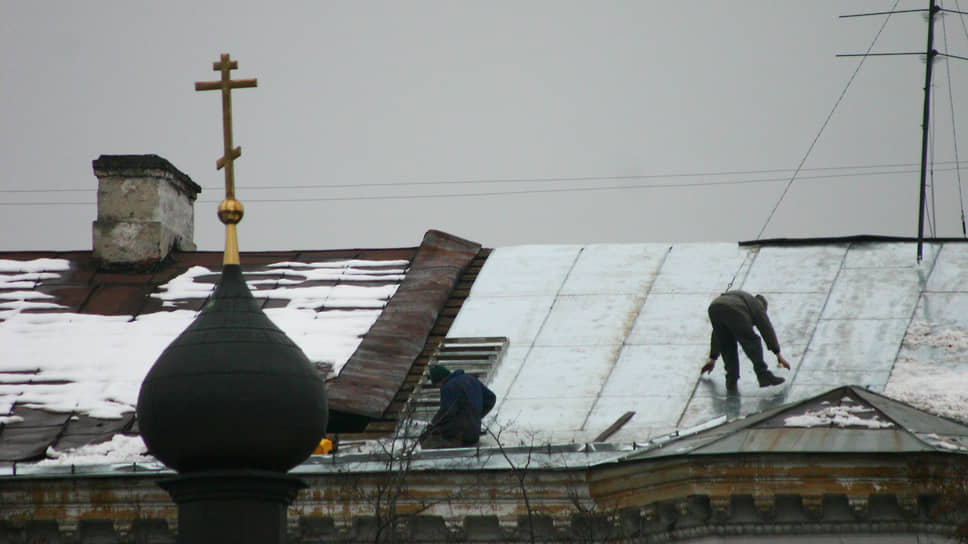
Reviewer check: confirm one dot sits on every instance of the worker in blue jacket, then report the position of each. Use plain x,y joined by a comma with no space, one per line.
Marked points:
464,401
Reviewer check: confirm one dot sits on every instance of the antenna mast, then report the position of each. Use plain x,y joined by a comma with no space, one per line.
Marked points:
930,54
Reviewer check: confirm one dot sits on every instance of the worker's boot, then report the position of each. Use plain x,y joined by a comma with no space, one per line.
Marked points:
767,379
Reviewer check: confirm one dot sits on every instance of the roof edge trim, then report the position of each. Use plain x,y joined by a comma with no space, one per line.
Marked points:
841,240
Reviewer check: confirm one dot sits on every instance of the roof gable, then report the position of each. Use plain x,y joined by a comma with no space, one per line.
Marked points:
847,419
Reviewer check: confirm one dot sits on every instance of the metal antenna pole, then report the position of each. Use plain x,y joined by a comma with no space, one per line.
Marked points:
930,54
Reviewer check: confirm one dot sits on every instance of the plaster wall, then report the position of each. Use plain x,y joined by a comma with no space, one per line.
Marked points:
143,214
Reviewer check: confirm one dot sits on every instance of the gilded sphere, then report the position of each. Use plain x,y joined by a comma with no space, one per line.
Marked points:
230,211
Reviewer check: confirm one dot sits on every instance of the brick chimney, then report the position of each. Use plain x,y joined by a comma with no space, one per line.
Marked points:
145,209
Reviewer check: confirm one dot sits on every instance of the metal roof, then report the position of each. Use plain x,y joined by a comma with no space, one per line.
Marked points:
596,331
844,420
62,287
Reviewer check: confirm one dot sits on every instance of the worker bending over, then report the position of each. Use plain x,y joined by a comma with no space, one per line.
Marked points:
733,316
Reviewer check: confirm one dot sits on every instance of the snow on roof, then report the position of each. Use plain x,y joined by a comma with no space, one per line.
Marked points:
594,332
930,369
120,450
848,413
93,364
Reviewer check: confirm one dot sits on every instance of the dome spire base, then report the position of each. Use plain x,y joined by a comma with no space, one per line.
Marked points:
242,506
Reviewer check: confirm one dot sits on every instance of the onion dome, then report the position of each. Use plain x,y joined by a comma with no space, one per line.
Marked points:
232,391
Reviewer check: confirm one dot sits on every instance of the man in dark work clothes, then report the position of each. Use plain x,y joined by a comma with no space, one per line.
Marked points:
464,401
733,316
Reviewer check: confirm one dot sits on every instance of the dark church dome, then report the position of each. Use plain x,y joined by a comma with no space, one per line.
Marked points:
232,391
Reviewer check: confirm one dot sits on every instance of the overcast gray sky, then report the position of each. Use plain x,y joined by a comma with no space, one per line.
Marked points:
579,122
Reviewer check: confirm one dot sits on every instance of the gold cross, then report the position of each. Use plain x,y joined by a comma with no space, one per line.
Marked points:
226,84
230,210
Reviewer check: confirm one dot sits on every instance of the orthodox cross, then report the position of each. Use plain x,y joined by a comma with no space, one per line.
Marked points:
230,210
226,84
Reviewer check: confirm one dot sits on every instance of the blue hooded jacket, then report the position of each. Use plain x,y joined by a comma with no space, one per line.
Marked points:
464,401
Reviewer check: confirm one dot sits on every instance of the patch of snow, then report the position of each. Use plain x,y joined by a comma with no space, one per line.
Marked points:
920,333
24,295
10,281
846,414
185,286
372,266
21,277
255,284
947,443
20,305
342,296
119,450
8,266
306,297
5,284
94,364
932,386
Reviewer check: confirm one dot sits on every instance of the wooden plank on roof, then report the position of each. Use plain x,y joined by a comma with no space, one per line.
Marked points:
614,427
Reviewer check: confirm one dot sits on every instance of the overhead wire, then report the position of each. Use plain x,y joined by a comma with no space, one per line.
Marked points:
487,181
879,172
816,138
954,130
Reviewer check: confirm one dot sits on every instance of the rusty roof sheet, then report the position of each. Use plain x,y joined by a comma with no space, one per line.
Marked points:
376,371
69,283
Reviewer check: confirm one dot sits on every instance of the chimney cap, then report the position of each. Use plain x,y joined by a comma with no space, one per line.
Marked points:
116,164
